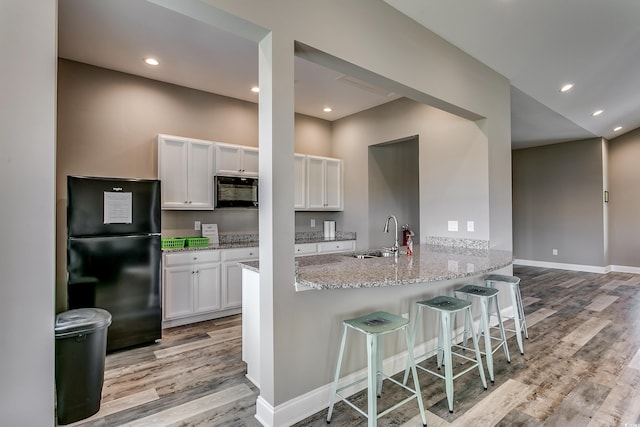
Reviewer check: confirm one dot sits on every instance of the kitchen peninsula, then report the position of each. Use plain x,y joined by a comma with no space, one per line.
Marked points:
347,285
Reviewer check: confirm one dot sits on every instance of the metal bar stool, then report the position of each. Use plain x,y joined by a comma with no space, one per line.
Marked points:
447,307
486,296
374,326
518,318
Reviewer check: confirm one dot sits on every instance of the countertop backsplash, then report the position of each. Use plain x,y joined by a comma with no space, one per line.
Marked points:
245,237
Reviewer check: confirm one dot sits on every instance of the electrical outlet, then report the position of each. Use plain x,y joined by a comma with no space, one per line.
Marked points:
313,223
452,226
470,226
196,225
555,251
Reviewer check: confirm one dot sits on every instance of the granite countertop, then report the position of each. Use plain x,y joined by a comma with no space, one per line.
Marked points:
429,263
231,241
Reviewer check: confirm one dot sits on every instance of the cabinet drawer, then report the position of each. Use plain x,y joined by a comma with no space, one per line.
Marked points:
240,254
306,248
344,245
189,257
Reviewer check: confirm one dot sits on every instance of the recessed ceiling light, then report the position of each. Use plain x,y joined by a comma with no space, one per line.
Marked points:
597,113
151,61
327,109
617,128
566,87
255,89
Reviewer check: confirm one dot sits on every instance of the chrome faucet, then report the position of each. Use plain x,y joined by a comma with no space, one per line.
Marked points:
394,249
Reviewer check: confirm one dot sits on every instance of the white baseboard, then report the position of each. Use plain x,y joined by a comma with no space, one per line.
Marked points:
200,317
579,267
563,266
625,269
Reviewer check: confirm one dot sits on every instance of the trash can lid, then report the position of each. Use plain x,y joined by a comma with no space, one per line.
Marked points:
81,320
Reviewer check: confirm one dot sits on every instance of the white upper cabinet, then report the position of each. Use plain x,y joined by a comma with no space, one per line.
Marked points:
236,160
324,183
185,168
300,177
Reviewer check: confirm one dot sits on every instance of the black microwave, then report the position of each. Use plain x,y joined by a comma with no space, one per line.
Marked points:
236,192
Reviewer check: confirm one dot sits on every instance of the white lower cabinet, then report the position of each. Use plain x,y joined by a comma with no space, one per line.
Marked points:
191,286
325,247
232,274
306,249
336,246
206,284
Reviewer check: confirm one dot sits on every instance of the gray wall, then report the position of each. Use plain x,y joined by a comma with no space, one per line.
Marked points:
394,174
108,123
558,203
27,168
452,172
624,204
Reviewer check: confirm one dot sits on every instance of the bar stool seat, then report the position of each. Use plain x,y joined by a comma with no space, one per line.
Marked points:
485,296
374,326
519,320
447,307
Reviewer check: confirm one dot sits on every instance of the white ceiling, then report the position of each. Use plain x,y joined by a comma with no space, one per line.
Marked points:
539,45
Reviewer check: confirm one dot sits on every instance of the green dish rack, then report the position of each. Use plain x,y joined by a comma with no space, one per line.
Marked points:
173,243
197,242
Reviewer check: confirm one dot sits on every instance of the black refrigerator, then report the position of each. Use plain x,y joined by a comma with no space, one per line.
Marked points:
114,255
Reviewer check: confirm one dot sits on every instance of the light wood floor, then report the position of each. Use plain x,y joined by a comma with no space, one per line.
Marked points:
581,367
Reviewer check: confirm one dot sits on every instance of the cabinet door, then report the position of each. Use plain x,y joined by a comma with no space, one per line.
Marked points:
178,291
232,285
333,184
337,246
315,183
300,177
227,159
173,171
306,249
249,162
200,175
207,287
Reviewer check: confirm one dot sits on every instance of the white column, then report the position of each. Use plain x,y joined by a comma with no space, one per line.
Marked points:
277,221
28,40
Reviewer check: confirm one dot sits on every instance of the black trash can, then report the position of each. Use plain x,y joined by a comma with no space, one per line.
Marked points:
81,345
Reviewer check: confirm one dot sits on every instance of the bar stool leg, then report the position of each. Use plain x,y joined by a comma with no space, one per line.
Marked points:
478,357
337,377
440,350
378,345
411,348
372,401
484,324
414,372
523,319
516,318
501,327
448,362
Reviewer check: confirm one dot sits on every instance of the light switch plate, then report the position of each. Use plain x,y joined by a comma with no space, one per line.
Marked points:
471,226
313,222
196,225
